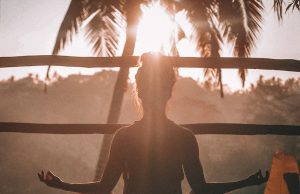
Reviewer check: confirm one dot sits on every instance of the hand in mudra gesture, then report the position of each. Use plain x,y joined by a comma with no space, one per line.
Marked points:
50,179
258,178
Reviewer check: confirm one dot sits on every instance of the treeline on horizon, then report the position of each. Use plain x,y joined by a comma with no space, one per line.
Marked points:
86,99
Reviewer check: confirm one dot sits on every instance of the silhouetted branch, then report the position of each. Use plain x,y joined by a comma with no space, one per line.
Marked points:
131,61
203,128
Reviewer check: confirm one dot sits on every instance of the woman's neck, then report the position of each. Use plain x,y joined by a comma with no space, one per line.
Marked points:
155,116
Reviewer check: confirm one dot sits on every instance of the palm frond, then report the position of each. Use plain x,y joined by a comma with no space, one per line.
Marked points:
253,19
294,4
253,11
199,14
202,14
102,33
230,17
241,21
215,52
77,12
278,7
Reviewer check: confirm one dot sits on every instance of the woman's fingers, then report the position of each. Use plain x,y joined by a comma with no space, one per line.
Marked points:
262,178
49,179
45,178
41,176
258,178
50,173
49,176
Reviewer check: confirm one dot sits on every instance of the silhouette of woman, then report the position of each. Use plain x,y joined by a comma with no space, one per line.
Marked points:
153,154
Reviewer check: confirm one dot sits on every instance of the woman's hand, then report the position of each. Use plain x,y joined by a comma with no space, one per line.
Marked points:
50,179
257,178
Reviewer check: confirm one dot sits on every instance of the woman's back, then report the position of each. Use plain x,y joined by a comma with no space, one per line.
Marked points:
152,156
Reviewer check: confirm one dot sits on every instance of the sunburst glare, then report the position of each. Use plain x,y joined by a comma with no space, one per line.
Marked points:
155,30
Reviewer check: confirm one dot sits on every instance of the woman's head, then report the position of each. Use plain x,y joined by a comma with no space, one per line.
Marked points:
154,82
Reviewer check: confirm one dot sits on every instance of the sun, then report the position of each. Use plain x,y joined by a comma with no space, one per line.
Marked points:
155,30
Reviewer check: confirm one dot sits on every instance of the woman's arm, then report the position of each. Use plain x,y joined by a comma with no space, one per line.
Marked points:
54,181
255,179
109,179
194,172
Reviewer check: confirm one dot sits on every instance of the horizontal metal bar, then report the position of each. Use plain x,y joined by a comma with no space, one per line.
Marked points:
67,61
131,61
198,128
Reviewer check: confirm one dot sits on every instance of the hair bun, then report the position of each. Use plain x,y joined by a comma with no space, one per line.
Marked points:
154,70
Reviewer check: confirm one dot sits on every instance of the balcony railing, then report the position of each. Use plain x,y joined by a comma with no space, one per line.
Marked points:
131,61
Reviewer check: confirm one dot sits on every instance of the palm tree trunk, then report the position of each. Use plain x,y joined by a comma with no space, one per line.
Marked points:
117,98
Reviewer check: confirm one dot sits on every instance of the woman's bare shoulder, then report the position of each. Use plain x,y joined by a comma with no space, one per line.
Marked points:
125,131
183,131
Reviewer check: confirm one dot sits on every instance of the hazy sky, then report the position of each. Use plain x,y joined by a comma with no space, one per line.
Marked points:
29,27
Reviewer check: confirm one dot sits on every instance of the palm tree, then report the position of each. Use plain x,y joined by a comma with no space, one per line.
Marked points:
106,19
215,21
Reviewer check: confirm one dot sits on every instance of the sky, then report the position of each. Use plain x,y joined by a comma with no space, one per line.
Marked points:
29,27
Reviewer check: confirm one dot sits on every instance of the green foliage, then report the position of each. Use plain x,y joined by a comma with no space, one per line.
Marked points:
274,101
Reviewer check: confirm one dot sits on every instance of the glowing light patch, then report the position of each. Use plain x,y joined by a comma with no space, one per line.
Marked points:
155,30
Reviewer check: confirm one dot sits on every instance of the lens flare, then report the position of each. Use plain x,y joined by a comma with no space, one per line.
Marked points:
155,30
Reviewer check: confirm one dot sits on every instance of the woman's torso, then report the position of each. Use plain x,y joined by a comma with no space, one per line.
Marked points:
152,158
